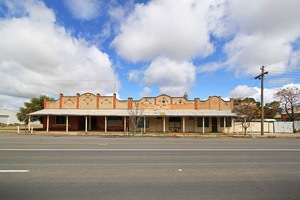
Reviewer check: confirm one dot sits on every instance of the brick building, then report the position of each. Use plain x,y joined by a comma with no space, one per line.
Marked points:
89,112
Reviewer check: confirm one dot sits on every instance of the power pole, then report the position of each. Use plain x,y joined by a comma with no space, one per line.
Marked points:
261,77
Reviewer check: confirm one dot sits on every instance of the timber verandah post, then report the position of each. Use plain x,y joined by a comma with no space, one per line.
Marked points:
105,129
203,128
144,124
164,124
29,123
86,123
124,124
224,123
183,124
67,123
47,124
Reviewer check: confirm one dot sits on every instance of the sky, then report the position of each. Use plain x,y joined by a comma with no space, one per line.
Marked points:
140,48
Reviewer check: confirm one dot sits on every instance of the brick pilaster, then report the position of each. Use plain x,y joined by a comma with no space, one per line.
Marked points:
45,103
77,100
98,98
114,101
60,100
130,103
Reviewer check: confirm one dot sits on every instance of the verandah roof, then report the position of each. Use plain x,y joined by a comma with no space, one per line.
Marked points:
148,113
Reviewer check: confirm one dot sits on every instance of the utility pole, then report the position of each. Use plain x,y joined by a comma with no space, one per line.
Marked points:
261,77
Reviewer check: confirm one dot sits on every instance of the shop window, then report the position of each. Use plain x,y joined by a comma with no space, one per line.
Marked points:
200,121
60,120
227,121
175,122
174,119
114,121
141,122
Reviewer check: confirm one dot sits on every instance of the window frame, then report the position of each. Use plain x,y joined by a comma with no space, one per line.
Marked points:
114,120
60,120
228,122
200,122
141,123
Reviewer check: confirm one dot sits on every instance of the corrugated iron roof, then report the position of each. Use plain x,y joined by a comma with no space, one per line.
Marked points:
116,112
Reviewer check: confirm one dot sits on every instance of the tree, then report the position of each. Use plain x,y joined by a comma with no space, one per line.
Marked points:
35,104
247,110
289,99
135,116
272,109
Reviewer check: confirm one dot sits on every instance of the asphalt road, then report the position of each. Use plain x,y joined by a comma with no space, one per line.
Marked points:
93,167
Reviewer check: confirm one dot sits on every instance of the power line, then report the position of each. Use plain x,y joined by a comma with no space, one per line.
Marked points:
284,59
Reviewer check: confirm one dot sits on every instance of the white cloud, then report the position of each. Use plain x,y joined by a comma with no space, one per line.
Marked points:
254,92
244,91
263,32
280,81
146,92
84,9
38,56
172,77
134,75
209,67
12,103
177,30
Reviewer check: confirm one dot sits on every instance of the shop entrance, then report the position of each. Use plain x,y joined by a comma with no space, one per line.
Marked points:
214,124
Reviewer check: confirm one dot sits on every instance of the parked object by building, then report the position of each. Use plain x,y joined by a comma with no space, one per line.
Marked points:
8,117
89,112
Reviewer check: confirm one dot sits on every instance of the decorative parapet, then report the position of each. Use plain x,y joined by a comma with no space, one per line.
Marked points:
161,102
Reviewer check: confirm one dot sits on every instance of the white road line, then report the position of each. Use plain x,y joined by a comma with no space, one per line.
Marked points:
150,150
14,171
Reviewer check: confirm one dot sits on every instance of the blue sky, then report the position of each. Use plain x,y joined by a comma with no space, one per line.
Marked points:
146,48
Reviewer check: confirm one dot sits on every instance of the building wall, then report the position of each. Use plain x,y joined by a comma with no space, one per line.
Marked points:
191,126
161,102
8,117
77,123
69,102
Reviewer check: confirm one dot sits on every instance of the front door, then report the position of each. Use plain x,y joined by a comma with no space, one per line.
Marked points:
214,124
94,123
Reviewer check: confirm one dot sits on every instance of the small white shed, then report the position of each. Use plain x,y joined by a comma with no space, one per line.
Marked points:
8,117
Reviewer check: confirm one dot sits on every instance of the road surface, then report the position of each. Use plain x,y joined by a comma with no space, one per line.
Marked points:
93,167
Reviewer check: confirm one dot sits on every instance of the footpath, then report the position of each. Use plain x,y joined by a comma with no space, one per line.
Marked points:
122,134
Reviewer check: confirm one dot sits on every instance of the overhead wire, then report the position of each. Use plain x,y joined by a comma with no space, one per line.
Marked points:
281,60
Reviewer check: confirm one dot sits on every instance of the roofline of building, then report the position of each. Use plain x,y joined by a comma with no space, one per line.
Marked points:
126,113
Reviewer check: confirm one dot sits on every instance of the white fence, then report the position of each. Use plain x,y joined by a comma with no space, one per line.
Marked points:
283,127
297,126
269,127
255,127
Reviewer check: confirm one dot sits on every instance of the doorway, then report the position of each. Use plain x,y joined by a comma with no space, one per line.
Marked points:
214,124
93,123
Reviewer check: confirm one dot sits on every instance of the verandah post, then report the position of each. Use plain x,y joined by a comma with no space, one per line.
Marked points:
203,125
67,123
105,130
47,124
164,124
86,123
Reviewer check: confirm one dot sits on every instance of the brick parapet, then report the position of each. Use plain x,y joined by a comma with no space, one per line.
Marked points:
98,99
60,100
91,101
114,100
130,102
77,100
